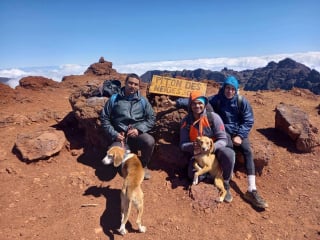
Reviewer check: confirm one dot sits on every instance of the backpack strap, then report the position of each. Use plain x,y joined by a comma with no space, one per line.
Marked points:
143,103
113,99
209,115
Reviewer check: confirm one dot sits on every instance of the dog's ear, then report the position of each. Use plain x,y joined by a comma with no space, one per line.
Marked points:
211,146
117,159
118,156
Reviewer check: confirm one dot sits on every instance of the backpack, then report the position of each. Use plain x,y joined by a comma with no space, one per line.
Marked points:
110,87
114,98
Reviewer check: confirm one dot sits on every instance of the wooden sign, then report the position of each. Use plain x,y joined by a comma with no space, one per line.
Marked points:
175,86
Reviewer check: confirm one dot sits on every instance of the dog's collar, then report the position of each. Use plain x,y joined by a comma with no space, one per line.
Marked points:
126,156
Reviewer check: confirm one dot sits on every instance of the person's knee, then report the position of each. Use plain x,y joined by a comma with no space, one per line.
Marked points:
226,155
147,140
150,141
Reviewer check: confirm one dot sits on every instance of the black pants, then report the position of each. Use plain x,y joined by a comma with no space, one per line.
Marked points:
245,149
143,143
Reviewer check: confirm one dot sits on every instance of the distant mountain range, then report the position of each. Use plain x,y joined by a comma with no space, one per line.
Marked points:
4,80
285,74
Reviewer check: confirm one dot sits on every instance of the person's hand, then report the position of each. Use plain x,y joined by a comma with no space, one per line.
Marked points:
170,103
120,137
237,140
132,132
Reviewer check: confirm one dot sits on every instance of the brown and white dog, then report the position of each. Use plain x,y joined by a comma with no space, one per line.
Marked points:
205,161
131,192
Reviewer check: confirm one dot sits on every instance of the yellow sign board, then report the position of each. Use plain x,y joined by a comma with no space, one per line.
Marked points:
175,86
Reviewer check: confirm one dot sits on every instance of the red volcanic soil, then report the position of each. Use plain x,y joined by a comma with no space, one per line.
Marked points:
73,196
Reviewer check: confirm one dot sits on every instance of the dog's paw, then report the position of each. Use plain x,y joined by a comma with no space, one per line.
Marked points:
122,231
142,229
220,199
195,180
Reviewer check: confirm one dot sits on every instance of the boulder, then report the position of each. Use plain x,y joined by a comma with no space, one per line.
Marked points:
87,109
262,154
40,144
37,83
295,123
101,68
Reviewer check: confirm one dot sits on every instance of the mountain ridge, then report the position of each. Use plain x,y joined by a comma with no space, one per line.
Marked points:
286,74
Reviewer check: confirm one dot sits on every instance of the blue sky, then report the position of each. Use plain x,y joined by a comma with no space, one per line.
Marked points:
75,33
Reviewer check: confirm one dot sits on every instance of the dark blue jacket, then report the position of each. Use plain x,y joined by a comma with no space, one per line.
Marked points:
238,120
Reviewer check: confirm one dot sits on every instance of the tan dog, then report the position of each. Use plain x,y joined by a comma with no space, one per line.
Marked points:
131,192
205,161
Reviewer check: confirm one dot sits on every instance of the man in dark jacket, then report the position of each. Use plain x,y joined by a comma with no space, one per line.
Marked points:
238,119
127,118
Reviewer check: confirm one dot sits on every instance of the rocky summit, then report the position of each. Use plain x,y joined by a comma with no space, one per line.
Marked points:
54,186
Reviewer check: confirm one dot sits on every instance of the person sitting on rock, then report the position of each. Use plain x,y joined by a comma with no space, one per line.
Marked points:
127,118
201,121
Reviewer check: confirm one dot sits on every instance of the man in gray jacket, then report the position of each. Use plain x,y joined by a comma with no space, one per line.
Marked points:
127,117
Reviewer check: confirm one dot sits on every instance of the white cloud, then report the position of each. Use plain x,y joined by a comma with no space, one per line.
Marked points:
55,73
310,59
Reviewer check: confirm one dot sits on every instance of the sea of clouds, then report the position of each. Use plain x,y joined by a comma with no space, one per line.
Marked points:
310,59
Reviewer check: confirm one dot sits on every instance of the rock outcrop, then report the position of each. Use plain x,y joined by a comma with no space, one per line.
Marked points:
40,144
295,123
101,68
37,83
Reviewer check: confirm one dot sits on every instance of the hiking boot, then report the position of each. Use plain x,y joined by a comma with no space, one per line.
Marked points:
202,177
147,174
228,198
255,200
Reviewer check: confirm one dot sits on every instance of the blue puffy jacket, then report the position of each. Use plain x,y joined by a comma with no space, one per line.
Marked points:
238,120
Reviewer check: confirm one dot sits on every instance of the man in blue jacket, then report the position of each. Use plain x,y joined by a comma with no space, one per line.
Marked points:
237,116
127,118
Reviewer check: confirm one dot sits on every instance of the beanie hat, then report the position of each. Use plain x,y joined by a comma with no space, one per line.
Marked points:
202,100
231,80
197,95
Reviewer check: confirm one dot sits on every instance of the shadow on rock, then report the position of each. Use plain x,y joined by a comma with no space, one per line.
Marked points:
279,139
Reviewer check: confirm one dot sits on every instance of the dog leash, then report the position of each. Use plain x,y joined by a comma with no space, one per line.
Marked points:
124,143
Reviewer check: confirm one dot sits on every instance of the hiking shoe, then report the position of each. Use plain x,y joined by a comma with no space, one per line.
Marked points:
147,174
228,198
202,177
255,200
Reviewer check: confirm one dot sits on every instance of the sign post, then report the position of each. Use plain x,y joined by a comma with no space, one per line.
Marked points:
175,86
